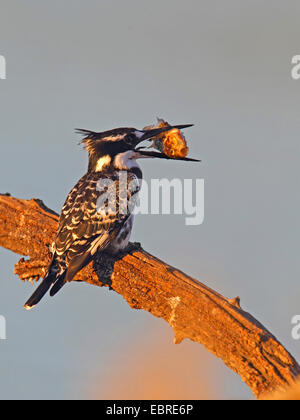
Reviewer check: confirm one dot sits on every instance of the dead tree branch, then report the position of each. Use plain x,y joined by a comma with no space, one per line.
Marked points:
192,309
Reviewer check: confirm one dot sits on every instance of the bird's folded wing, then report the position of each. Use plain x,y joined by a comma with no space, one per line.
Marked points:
90,211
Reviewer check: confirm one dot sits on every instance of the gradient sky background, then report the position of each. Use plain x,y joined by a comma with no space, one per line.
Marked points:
225,66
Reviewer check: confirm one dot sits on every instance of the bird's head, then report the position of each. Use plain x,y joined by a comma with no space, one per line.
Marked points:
103,147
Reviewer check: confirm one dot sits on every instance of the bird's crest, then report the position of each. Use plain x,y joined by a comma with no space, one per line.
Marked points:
89,139
92,140
88,134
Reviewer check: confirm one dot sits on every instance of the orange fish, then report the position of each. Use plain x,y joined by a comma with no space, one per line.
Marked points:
172,143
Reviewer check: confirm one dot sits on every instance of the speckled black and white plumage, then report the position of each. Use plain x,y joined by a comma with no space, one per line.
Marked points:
87,225
82,220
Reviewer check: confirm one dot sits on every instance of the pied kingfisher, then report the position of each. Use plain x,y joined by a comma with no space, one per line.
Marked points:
85,226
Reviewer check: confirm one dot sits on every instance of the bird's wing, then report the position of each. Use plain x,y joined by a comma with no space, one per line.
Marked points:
93,213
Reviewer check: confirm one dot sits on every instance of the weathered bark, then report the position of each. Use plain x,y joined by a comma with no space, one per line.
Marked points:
192,309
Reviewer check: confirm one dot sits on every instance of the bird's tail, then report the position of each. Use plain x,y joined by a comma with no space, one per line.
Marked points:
61,281
41,290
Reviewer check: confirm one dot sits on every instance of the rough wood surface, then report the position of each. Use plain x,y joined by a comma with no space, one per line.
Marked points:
192,309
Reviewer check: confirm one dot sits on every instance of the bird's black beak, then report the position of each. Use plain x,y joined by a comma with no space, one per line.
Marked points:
150,154
149,134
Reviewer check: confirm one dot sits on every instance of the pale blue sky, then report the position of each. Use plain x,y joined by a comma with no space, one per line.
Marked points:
224,66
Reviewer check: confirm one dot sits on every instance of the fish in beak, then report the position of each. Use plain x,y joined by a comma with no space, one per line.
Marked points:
168,140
